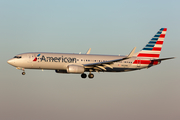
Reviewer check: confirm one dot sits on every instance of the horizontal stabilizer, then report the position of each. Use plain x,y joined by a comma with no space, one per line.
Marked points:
164,59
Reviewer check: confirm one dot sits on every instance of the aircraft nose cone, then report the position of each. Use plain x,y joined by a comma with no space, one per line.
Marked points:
11,61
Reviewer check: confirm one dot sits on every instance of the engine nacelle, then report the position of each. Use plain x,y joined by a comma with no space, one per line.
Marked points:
75,69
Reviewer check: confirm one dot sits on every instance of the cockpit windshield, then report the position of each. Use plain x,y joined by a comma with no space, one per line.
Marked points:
17,57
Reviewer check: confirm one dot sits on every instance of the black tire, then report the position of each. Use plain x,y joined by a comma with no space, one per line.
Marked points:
91,76
83,75
23,73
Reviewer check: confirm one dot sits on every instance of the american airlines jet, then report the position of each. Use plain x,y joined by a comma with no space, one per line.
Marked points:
81,63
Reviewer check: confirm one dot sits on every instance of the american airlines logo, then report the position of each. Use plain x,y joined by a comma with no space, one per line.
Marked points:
35,59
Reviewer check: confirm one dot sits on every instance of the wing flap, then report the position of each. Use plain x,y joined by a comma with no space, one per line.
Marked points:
102,67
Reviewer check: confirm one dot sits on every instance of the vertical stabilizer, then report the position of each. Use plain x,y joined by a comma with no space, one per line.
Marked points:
154,46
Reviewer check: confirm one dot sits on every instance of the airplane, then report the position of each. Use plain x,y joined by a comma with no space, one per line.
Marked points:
81,63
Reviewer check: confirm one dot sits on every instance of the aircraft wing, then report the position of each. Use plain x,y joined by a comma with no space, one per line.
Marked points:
102,65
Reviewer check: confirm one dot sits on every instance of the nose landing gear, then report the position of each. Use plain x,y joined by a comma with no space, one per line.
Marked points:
19,68
23,73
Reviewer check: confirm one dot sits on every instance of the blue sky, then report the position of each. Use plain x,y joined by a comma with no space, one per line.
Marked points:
73,26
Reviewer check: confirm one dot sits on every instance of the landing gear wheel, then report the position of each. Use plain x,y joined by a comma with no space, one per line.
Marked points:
23,73
83,75
91,75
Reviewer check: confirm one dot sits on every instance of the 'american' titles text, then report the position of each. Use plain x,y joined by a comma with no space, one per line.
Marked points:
58,59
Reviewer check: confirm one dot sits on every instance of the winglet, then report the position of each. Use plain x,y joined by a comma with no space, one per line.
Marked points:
132,52
88,52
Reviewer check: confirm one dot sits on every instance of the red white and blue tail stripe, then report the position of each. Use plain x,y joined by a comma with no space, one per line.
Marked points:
154,46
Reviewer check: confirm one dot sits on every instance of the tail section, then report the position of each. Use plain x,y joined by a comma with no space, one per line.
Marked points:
154,46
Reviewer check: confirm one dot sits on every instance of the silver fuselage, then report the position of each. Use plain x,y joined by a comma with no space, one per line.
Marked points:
60,61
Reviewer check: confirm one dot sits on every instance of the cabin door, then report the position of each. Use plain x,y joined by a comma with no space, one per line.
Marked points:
138,63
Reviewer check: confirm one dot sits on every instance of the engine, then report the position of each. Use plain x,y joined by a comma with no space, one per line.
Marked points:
72,69
75,69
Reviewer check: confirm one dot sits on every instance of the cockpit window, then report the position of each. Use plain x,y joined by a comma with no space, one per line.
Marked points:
17,57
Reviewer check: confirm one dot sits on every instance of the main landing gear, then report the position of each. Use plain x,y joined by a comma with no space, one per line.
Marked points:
83,75
91,75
